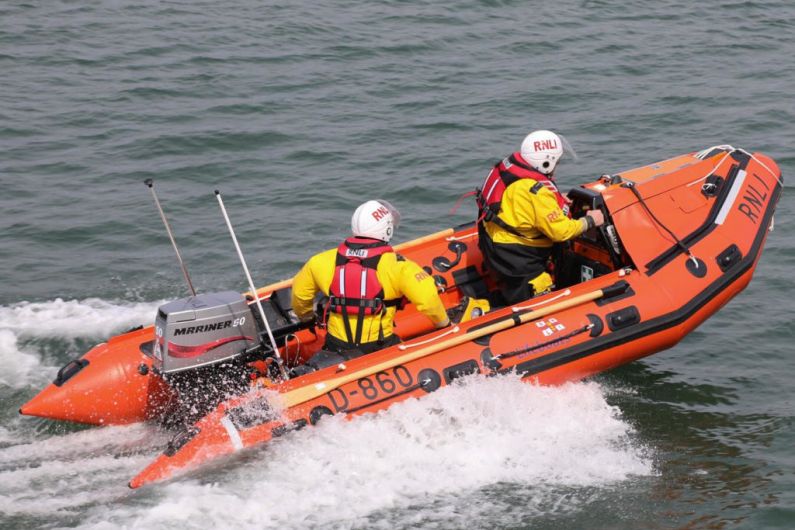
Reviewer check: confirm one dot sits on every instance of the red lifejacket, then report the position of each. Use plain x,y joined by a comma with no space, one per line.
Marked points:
505,173
355,289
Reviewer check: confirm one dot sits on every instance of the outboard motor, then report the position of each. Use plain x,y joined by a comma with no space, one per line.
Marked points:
203,345
200,346
203,330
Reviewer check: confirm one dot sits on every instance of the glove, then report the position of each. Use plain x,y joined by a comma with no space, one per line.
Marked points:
597,218
309,317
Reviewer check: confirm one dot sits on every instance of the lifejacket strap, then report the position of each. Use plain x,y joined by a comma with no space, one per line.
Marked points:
335,302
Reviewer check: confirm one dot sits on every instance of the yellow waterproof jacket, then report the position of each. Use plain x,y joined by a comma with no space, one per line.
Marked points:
535,214
398,277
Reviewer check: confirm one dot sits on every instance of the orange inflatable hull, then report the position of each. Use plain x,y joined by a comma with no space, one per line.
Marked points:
688,233
112,384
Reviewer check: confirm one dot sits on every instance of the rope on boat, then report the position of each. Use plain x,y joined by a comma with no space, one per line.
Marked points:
682,246
569,335
725,156
729,150
450,331
778,179
459,238
516,309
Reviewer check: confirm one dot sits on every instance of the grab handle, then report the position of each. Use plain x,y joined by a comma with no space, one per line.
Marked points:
442,264
69,370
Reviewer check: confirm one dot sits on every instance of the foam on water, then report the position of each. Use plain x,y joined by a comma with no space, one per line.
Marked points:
58,319
20,367
92,317
61,474
421,461
393,468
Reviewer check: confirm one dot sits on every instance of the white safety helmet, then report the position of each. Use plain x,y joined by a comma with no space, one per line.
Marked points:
376,219
543,149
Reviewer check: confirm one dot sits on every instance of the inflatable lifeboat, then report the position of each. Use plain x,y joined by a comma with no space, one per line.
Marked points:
682,238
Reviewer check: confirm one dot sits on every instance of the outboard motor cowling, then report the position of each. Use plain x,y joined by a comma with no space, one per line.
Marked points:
203,330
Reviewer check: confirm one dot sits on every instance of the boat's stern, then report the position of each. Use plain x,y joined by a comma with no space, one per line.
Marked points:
111,384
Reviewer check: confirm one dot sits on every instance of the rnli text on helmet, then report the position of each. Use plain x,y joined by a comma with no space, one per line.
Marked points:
545,145
380,213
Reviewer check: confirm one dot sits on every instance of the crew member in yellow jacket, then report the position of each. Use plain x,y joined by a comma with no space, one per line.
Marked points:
522,214
365,281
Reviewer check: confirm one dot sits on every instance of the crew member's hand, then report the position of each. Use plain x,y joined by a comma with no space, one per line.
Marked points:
597,216
309,317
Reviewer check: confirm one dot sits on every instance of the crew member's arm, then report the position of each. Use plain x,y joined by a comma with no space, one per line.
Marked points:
305,287
418,286
551,220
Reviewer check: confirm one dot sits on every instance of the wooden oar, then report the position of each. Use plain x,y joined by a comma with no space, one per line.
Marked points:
403,246
306,393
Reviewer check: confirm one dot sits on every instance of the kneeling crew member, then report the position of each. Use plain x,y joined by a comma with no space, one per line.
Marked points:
521,214
365,281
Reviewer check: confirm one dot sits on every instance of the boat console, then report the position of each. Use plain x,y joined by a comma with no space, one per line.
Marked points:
595,252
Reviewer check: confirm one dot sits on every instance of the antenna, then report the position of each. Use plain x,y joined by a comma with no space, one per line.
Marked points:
151,184
251,286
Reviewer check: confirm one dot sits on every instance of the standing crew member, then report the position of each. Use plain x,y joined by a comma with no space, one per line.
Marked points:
521,214
365,281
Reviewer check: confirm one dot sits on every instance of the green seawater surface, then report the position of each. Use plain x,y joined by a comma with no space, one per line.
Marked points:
297,112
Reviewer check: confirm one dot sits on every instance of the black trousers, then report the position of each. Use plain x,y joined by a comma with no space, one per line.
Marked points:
351,350
336,351
513,266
